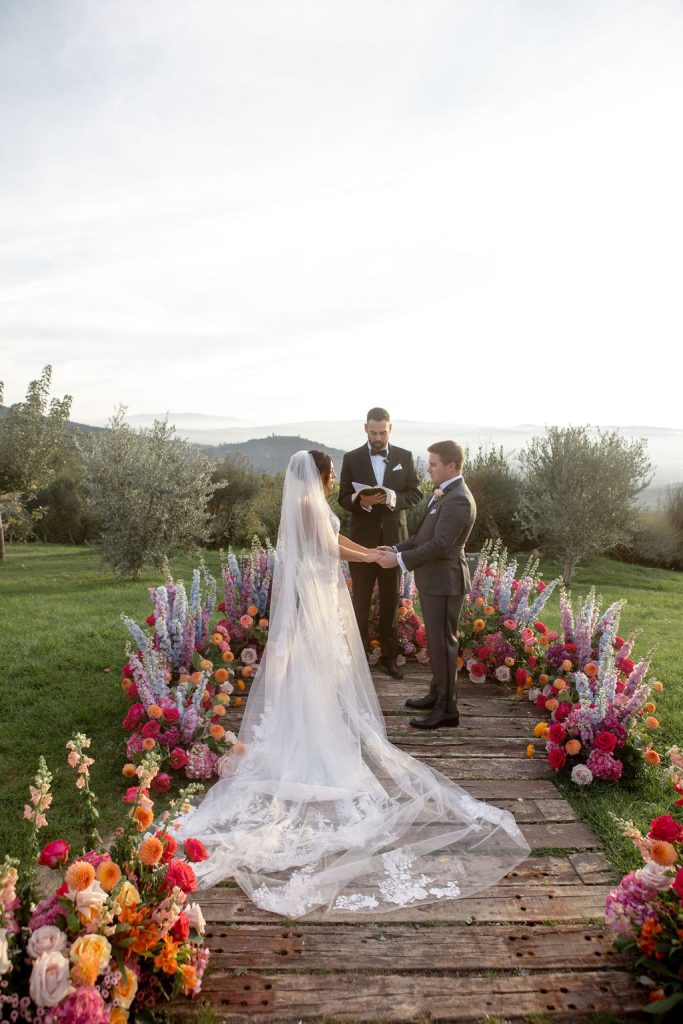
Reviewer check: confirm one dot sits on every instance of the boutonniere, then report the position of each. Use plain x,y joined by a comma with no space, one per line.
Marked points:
438,493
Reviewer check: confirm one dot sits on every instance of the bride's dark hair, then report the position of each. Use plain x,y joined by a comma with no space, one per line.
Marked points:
323,464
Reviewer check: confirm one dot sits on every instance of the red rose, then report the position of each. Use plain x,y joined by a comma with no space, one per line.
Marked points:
181,929
133,691
557,733
677,884
540,627
221,607
478,670
557,758
532,660
606,741
540,586
181,874
161,782
170,846
171,714
127,671
132,794
626,666
666,828
178,758
562,710
195,851
151,729
135,713
618,642
151,620
571,647
620,687
520,676
56,852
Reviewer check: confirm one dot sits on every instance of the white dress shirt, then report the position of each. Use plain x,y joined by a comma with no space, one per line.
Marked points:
431,501
379,465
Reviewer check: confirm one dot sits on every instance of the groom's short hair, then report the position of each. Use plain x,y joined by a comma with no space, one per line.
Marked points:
378,414
449,451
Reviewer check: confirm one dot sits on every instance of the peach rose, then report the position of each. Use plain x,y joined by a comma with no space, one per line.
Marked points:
97,946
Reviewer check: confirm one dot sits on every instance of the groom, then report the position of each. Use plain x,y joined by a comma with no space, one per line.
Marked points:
436,552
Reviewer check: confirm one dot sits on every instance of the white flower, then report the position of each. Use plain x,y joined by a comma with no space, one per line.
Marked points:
87,899
49,979
469,663
534,693
5,962
195,917
503,674
46,939
248,656
582,775
655,876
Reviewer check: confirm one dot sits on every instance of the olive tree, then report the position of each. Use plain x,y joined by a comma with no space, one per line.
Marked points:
149,491
579,490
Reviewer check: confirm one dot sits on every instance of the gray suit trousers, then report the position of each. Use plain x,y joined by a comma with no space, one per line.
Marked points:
441,616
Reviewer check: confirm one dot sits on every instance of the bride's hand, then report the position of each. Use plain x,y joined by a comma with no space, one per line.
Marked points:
373,555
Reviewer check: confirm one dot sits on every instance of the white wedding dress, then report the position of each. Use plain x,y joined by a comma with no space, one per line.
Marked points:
322,811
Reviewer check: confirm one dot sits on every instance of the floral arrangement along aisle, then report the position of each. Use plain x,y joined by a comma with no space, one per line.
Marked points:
646,909
502,638
247,587
410,630
119,935
599,701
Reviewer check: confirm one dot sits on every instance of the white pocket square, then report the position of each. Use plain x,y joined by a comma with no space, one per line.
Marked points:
398,467
433,512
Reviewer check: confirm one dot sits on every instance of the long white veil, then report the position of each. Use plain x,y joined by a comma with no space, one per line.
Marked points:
322,811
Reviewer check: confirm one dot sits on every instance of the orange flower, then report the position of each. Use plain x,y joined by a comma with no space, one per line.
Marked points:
648,935
144,816
189,975
118,1014
218,710
263,623
658,686
252,610
650,707
217,638
85,971
528,648
154,711
196,678
543,679
80,875
651,722
149,743
651,756
540,728
402,612
590,670
237,702
566,665
374,644
530,750
166,960
205,663
459,662
222,698
150,851
663,853
129,771
551,704
239,748
572,747
228,656
489,609
509,662
108,874
561,684
520,691
240,684
480,602
217,732
478,625
247,671
184,678
220,675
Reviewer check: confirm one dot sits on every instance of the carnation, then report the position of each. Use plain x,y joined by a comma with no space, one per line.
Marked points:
582,775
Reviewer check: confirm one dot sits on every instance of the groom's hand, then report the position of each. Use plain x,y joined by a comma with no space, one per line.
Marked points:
387,558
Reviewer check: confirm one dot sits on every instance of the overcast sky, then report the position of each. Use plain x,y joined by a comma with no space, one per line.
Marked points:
466,211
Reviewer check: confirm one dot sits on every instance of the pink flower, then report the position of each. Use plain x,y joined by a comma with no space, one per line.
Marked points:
246,621
151,729
527,635
181,874
605,741
249,655
604,766
135,713
178,758
195,850
161,782
503,674
510,623
540,586
54,853
171,714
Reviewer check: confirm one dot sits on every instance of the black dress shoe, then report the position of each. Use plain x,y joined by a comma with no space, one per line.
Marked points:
436,720
421,703
392,668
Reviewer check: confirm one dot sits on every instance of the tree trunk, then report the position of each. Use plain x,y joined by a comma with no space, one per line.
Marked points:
2,539
569,566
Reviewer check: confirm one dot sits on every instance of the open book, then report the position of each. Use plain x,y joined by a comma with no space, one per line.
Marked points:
367,490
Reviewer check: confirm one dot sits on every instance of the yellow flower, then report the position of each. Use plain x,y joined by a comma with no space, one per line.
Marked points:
658,686
96,946
530,750
217,638
539,729
125,991
205,663
119,1015
478,625
127,896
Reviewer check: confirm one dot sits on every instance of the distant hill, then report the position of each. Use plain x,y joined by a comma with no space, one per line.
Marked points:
271,454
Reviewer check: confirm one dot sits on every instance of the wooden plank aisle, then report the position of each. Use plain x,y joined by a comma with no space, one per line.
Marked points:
531,948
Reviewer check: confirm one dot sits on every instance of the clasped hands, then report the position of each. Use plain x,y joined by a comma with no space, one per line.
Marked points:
385,556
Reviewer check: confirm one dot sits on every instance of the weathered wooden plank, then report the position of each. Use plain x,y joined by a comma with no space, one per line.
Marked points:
497,707
462,746
505,726
399,998
564,836
593,868
523,789
556,810
500,904
537,810
406,947
462,768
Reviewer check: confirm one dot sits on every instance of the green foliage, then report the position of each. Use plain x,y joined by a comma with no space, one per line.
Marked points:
496,487
68,518
656,541
33,438
149,491
579,491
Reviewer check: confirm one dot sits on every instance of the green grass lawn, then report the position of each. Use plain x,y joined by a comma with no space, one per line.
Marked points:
60,629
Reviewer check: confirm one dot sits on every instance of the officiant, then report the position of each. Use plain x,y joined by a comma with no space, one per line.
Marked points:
378,483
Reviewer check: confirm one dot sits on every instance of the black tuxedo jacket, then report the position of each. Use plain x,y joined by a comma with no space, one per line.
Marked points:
380,525
436,551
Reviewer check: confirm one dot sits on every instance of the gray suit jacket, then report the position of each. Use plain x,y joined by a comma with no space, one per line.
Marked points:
436,551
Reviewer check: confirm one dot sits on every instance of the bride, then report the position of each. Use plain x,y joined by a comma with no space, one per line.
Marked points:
322,811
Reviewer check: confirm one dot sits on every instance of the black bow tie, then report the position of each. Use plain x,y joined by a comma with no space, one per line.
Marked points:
384,453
